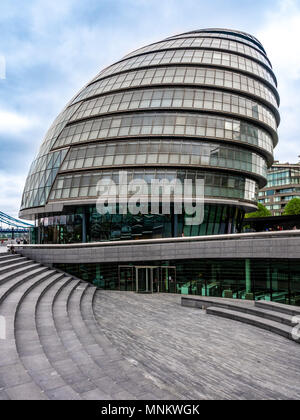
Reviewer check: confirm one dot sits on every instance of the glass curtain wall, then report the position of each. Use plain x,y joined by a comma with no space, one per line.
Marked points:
87,225
271,280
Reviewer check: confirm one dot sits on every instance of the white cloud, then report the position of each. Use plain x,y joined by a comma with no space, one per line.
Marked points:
45,13
75,51
11,187
280,37
13,123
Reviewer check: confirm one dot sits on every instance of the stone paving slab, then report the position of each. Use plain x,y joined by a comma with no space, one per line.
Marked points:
143,347
188,354
26,392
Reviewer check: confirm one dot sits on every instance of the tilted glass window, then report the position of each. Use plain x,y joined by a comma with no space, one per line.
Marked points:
180,75
56,128
193,57
217,35
44,168
165,124
204,42
195,99
163,152
215,184
41,178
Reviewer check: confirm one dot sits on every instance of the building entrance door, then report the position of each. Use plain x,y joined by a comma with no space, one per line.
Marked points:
147,279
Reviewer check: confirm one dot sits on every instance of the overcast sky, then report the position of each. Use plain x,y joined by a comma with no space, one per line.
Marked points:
52,48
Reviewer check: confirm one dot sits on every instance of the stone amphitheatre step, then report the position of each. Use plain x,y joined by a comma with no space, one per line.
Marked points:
29,346
278,307
271,315
11,261
12,267
95,327
256,321
82,378
10,304
67,373
55,348
238,305
108,369
24,308
7,257
15,380
203,302
20,270
76,307
10,285
116,380
113,364
96,356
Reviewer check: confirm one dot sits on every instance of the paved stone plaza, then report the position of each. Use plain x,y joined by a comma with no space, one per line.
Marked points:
193,355
64,339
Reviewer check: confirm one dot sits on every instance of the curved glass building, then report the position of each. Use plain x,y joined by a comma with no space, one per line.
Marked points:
199,105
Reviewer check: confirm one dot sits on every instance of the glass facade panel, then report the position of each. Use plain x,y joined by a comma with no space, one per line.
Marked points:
39,182
271,280
195,56
85,224
162,152
180,75
215,184
202,105
204,42
168,124
243,38
177,98
40,178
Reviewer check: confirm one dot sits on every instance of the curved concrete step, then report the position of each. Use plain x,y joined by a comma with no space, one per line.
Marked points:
16,381
256,321
107,386
56,380
94,326
27,339
10,304
278,307
238,305
15,266
11,261
13,273
34,301
76,309
85,371
55,348
6,256
118,371
271,315
10,285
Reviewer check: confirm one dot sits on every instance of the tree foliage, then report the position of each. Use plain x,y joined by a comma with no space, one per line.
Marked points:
262,211
292,207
